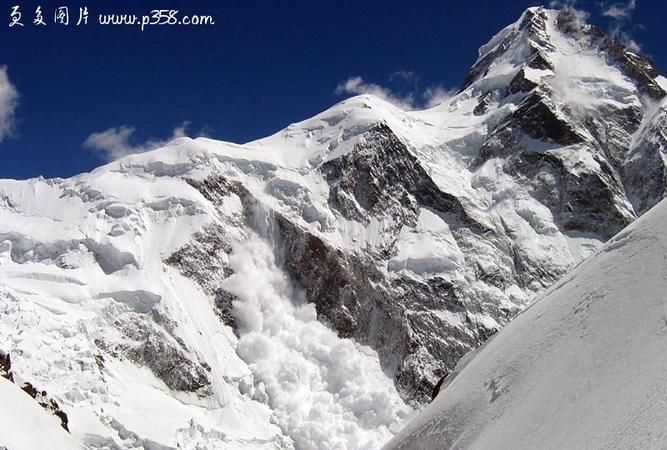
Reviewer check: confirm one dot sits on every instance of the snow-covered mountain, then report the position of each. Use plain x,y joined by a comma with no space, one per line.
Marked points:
309,289
582,368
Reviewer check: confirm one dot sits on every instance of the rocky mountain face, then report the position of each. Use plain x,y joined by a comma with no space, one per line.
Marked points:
581,368
307,289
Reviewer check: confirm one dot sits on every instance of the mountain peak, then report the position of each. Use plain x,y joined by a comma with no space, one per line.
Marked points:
524,41
542,39
262,295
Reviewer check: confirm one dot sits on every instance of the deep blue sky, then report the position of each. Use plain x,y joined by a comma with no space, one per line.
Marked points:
263,65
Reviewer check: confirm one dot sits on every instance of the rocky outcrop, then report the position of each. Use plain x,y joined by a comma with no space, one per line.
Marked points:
153,344
6,366
40,396
586,201
645,169
380,177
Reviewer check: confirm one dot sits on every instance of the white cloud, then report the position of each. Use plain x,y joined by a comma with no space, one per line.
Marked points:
620,16
431,96
407,75
9,98
357,85
619,11
115,143
627,40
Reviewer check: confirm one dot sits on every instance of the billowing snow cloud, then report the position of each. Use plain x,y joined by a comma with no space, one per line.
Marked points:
414,99
327,392
580,16
620,15
115,142
357,85
9,97
435,95
619,11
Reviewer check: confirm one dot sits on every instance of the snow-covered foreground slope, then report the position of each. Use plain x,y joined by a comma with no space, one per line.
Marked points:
310,288
585,367
25,425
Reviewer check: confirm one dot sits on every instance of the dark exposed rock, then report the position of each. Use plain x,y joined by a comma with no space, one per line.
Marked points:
493,277
169,364
363,185
214,189
164,354
540,61
538,119
47,403
436,388
332,281
224,306
40,396
612,129
383,177
644,171
585,202
483,104
202,261
6,366
521,84
201,258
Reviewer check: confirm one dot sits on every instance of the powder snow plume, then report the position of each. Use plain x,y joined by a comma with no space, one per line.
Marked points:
328,392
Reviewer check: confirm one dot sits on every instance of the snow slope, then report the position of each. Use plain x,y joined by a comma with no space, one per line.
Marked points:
26,426
582,368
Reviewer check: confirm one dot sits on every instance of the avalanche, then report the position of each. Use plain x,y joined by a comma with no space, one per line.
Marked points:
327,392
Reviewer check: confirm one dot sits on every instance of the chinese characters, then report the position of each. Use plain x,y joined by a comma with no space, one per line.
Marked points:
61,16
64,16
